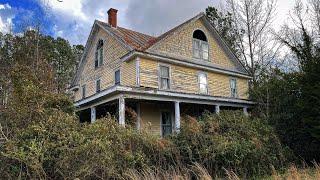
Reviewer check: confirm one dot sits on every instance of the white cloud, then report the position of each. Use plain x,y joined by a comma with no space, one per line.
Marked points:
6,16
73,18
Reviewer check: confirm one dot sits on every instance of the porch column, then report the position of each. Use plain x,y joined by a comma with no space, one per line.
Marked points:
245,111
217,109
93,114
177,116
121,111
138,116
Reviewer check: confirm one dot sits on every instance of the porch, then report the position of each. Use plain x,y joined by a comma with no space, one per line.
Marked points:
159,113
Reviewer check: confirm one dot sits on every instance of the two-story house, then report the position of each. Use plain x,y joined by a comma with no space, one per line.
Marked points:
183,71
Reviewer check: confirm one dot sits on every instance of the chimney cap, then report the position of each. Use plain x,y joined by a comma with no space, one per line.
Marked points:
112,10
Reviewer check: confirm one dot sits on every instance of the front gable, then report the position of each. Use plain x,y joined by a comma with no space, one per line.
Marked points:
87,73
179,44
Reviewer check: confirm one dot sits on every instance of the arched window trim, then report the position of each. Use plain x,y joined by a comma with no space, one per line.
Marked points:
200,47
99,53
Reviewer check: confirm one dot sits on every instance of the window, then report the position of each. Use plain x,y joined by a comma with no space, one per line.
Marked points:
117,77
166,123
203,83
83,91
98,85
99,54
164,77
233,87
200,45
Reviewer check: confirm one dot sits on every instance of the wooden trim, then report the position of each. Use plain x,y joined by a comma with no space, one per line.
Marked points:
138,71
201,65
161,95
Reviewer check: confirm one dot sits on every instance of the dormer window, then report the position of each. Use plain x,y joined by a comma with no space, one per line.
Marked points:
200,45
99,54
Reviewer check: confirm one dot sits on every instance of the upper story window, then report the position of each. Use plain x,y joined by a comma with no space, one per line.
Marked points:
203,83
98,85
164,77
117,77
233,87
99,54
200,45
83,91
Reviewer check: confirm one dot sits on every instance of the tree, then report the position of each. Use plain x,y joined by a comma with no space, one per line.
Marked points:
291,99
252,20
305,45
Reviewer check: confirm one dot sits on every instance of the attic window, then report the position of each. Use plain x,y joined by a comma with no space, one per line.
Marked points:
200,45
99,54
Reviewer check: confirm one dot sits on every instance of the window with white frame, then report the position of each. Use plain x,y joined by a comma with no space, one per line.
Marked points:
203,83
200,45
164,77
117,77
98,85
99,54
233,87
83,91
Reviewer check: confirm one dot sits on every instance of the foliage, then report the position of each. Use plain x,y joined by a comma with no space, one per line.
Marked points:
291,100
230,141
42,54
57,146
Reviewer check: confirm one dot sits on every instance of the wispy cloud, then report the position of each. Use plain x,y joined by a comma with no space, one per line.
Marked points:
7,13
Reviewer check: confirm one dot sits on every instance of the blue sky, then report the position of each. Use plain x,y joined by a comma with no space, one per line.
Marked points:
72,19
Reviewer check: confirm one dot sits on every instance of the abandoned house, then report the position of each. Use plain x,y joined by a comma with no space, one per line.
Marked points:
153,81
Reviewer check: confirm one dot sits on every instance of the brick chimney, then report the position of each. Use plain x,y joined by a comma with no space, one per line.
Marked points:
112,17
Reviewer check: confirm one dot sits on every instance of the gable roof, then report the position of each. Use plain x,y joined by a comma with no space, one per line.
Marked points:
136,41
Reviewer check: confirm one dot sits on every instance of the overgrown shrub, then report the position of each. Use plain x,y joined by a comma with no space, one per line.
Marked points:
59,147
230,141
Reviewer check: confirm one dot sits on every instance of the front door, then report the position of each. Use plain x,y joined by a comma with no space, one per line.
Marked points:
166,123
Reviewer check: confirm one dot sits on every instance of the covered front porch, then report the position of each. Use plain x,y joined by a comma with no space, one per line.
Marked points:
158,113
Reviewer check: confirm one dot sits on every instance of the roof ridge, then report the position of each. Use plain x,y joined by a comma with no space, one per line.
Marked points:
126,29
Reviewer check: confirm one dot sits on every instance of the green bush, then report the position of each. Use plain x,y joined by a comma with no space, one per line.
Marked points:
58,147
230,141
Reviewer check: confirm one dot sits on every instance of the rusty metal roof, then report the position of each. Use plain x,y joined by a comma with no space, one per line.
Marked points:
134,39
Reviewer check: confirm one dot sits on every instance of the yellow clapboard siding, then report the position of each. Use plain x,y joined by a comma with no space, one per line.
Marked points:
112,52
150,117
128,73
179,45
185,80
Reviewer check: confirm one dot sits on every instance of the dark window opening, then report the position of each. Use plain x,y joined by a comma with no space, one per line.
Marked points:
117,77
198,34
166,123
98,85
83,91
99,54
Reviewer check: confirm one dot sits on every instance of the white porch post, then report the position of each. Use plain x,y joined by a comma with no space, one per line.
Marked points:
138,116
177,116
217,109
121,111
93,114
245,111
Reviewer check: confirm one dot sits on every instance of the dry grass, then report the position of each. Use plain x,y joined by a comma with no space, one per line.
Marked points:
199,172
196,171
294,173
